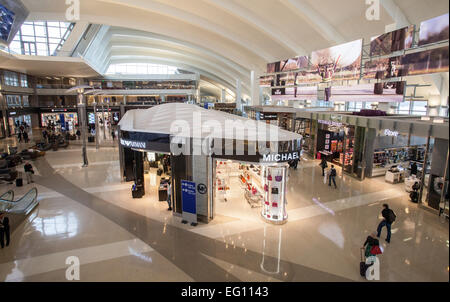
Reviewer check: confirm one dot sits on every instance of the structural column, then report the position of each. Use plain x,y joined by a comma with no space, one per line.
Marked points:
238,95
223,96
83,125
255,93
121,149
103,118
96,124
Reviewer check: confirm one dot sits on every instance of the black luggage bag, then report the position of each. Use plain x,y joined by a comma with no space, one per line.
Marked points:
19,180
362,265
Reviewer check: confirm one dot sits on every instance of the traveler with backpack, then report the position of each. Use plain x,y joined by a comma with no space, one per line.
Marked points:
371,243
333,174
388,218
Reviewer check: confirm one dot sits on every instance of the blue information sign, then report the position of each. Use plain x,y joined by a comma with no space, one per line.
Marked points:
189,196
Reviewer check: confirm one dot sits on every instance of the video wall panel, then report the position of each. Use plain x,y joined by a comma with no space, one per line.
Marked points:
392,41
296,63
387,92
341,62
434,30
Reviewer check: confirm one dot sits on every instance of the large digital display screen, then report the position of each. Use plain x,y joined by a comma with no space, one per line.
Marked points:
424,62
341,62
386,93
12,15
296,63
6,22
384,68
390,42
266,81
434,30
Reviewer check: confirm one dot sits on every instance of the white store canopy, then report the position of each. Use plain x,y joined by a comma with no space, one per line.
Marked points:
192,121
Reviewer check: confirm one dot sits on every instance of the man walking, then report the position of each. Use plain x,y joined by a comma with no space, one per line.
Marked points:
4,230
29,172
388,218
333,174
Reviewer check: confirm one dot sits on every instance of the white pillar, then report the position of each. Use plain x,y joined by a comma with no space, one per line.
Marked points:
223,96
199,99
238,95
255,93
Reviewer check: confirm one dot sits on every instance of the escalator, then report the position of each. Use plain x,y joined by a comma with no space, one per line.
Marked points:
23,206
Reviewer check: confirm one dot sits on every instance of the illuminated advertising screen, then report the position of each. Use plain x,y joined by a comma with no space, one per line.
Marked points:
6,22
387,93
392,41
429,61
384,68
296,63
266,81
12,15
341,62
434,30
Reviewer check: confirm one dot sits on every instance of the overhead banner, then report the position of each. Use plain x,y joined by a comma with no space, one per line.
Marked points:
390,42
384,68
429,61
266,81
383,93
341,62
434,30
295,93
296,63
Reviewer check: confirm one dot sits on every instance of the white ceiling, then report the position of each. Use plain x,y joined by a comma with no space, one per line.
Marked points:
226,39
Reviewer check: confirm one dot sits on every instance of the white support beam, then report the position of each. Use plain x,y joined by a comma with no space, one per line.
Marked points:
317,21
260,24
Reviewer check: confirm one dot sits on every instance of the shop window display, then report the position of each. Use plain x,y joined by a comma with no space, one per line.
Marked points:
336,143
261,186
398,159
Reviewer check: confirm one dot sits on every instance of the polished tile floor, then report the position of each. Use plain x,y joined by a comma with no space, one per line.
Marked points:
89,213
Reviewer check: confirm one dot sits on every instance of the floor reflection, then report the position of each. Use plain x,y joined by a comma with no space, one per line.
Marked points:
66,225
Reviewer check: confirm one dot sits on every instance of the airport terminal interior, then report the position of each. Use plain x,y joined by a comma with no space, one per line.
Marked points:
224,140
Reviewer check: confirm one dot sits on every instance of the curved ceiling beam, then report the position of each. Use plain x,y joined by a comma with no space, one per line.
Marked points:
161,53
99,12
228,84
144,39
263,25
172,12
314,19
396,13
120,39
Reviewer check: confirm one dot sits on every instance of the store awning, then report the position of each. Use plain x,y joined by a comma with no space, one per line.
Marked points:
191,121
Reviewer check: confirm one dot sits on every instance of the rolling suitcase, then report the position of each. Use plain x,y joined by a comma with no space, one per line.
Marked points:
19,180
362,265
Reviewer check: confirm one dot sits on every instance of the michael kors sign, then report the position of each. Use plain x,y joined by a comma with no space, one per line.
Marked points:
281,157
